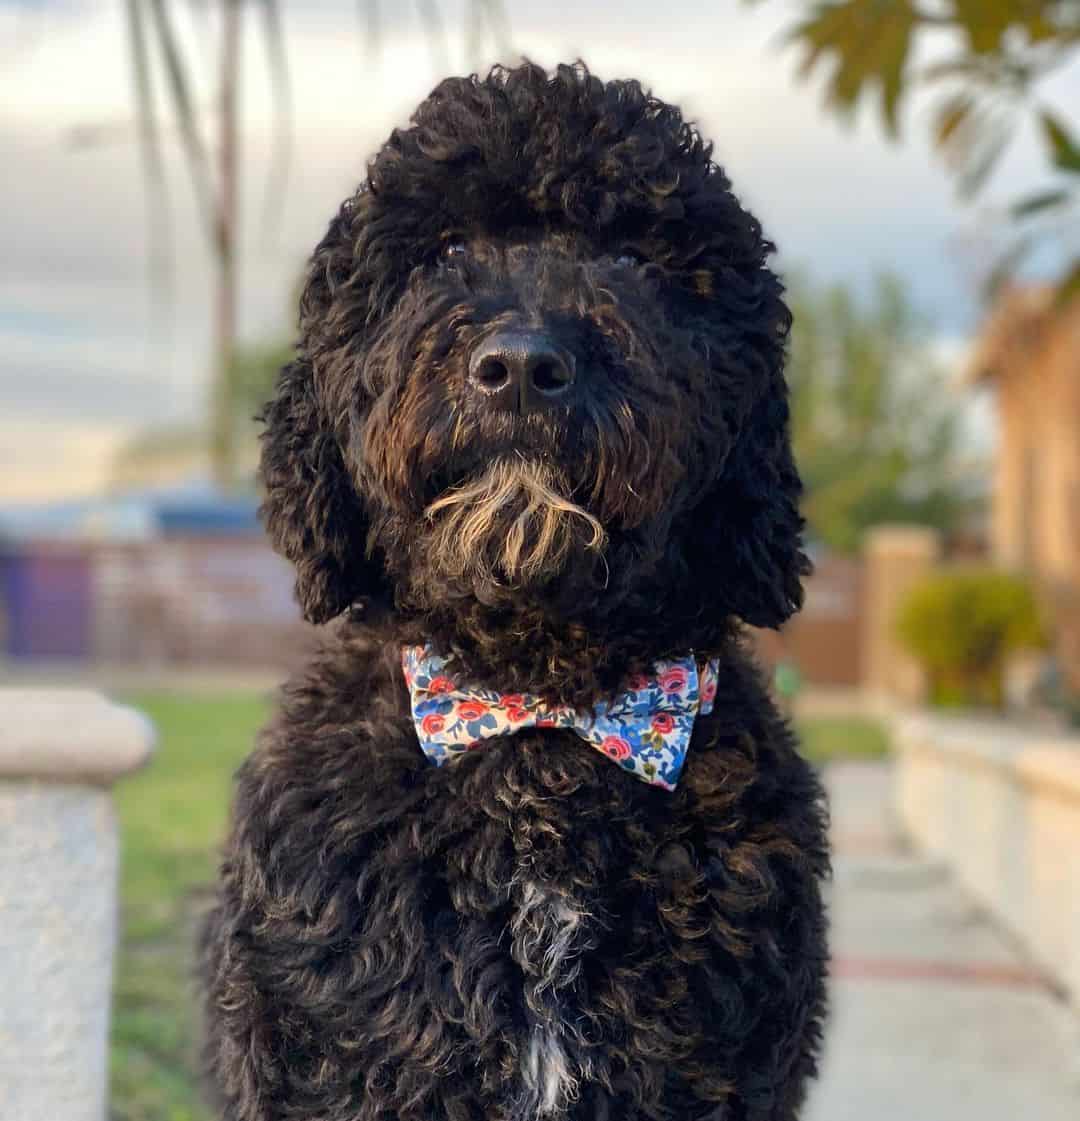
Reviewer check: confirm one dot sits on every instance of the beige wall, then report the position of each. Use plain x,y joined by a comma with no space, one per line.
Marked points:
1036,518
896,558
1002,808
825,638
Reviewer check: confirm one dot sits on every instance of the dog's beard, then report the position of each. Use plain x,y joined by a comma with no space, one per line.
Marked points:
510,528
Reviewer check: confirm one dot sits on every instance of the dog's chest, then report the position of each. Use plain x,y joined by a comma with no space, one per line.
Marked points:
549,935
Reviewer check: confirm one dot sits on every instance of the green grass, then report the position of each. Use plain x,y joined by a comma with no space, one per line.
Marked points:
172,820
827,739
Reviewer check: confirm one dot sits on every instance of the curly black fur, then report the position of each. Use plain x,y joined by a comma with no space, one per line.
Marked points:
527,931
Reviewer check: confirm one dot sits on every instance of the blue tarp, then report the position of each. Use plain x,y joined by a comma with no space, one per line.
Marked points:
207,517
196,510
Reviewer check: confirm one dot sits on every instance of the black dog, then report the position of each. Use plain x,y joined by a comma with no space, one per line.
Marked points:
537,422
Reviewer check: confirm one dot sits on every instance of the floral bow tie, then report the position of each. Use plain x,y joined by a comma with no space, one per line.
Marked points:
646,729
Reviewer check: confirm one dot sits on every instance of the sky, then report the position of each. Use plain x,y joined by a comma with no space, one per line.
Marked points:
86,361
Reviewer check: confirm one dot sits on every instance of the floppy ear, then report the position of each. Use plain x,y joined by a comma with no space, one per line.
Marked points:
311,510
745,537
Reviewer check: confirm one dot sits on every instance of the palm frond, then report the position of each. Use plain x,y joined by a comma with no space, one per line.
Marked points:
431,18
493,14
281,89
153,168
372,21
187,120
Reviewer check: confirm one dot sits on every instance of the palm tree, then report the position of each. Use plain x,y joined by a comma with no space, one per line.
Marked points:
212,150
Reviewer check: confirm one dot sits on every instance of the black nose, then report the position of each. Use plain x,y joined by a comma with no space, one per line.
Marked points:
521,371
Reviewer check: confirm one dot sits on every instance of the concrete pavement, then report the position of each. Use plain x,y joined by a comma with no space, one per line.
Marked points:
936,1016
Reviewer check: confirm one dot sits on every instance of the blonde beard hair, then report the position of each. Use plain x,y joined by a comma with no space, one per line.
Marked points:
510,525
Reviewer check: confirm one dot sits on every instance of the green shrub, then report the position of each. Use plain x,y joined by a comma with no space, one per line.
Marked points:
961,625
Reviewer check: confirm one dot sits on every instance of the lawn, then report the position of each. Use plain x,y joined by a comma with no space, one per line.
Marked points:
172,819
827,738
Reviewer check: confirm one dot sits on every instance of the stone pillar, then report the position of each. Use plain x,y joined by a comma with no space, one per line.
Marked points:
896,558
60,751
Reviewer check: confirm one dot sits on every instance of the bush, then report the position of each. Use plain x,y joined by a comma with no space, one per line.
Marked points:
962,624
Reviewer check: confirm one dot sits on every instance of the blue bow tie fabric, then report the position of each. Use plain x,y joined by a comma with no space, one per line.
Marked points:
645,730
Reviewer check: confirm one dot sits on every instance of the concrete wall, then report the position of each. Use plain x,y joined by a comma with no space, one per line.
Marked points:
59,753
896,558
1000,804
825,638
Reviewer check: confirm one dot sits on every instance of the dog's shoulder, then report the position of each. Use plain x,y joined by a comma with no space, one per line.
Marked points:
339,735
353,681
746,758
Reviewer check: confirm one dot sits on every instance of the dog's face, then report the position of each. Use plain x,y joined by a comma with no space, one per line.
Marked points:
541,403
540,362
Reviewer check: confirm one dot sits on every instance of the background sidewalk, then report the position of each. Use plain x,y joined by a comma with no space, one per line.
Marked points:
936,1016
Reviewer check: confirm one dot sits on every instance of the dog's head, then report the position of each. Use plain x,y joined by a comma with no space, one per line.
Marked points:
540,360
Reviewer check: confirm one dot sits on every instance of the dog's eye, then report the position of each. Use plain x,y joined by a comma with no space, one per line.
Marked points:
453,253
629,258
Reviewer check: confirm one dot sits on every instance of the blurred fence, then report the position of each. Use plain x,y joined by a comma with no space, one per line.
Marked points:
45,601
173,601
192,599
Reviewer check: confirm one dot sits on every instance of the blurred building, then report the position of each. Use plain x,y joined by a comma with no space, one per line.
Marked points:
1029,351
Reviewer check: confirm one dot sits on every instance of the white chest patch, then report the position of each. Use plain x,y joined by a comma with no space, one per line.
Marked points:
548,934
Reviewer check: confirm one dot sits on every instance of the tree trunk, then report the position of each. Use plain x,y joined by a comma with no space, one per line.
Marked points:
222,419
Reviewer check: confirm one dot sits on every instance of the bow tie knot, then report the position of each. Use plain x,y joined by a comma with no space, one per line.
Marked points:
645,729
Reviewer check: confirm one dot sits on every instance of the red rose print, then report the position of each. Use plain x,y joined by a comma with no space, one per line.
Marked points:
637,683
663,723
616,747
432,723
674,680
515,715
709,693
513,700
440,685
471,710
545,721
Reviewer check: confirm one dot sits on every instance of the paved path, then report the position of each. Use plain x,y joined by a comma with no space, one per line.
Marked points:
935,1015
